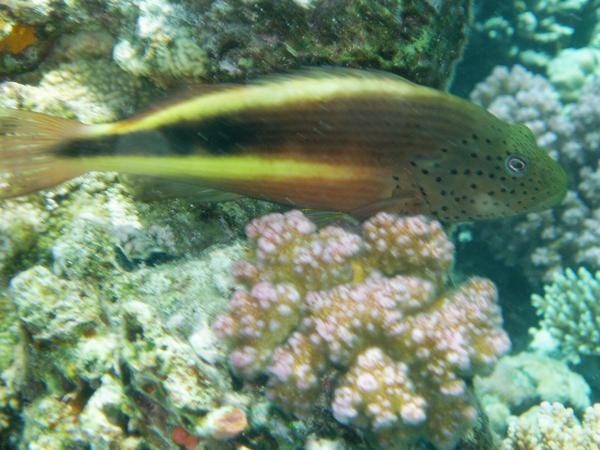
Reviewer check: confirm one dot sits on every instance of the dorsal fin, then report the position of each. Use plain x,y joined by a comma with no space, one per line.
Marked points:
316,73
185,93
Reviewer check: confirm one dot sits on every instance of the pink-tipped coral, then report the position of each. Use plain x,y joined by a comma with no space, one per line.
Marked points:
372,313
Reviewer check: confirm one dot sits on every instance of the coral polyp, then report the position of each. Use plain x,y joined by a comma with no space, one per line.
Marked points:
371,312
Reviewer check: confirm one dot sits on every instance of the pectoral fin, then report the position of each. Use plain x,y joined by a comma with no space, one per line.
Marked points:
409,203
154,189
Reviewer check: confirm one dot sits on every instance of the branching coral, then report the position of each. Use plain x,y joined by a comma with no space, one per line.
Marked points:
570,312
532,31
551,426
371,312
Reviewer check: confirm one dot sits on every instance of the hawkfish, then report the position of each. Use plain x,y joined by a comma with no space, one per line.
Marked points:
342,140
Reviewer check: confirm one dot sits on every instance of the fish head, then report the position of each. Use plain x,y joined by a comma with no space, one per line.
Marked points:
542,181
491,172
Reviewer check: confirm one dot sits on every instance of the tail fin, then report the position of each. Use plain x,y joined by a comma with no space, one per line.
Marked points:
29,143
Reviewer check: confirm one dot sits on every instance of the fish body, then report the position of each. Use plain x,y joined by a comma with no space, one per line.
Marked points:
341,140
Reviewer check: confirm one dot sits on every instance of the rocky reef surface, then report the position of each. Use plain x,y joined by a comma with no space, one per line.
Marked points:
103,337
169,42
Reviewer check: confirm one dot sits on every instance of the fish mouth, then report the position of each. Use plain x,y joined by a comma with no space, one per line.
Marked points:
558,192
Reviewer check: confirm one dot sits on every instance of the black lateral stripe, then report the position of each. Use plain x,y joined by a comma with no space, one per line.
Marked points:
372,123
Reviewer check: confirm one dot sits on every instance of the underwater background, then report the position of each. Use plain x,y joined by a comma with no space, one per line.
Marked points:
136,323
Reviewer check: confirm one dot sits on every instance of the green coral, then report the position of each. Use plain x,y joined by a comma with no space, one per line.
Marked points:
570,312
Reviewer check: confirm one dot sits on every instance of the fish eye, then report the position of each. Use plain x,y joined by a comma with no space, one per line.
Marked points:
516,165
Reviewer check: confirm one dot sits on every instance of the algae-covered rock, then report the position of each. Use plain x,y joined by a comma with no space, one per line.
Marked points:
169,41
166,364
187,293
97,360
21,224
8,331
234,39
53,309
